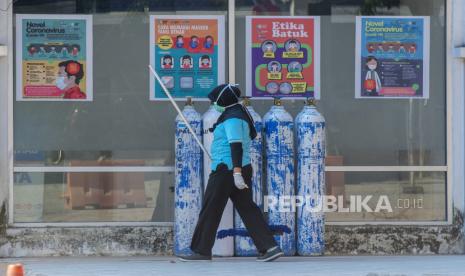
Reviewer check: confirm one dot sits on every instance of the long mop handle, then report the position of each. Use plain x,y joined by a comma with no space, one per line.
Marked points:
173,102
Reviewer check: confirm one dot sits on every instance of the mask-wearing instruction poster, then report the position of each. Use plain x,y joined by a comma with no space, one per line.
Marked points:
188,54
392,57
54,57
283,56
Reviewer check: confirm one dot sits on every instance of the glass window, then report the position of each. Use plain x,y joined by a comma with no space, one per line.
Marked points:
365,132
120,127
93,197
368,132
400,196
120,123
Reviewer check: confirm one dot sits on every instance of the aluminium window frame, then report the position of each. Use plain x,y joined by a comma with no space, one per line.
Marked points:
231,75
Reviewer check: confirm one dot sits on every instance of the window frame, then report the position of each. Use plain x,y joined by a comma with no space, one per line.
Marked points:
231,15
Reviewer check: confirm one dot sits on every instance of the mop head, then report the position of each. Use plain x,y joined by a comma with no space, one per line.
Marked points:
242,232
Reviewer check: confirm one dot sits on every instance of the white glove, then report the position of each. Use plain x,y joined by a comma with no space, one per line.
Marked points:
239,181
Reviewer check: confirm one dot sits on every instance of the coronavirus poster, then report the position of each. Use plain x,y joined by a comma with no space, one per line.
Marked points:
188,54
54,57
283,56
392,57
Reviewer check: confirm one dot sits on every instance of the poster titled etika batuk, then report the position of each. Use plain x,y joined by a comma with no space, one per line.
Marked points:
188,54
392,57
283,56
54,57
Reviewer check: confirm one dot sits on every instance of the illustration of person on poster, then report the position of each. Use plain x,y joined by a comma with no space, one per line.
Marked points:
283,56
54,57
372,83
167,62
392,57
188,54
70,74
205,62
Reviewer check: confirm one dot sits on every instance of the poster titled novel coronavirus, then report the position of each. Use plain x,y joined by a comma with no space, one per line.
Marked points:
283,56
188,54
392,57
54,57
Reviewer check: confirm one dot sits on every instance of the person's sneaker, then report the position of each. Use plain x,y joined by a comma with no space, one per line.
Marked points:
270,255
194,257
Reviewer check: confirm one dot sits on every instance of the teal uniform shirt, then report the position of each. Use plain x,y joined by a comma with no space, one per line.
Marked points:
232,130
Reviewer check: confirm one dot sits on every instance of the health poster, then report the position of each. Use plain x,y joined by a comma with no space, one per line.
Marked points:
188,54
392,57
283,56
54,57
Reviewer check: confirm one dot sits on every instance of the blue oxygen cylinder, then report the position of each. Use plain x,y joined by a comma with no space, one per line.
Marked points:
188,179
310,132
222,247
244,246
279,137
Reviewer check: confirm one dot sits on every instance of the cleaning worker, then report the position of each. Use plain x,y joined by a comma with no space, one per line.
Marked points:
231,177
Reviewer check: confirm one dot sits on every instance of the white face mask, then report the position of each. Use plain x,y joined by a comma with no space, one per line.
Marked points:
60,82
223,108
372,67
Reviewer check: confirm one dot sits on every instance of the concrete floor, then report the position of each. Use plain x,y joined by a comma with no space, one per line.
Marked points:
327,266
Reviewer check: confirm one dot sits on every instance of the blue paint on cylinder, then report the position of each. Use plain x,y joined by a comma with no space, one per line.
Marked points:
221,247
310,133
279,137
244,245
188,180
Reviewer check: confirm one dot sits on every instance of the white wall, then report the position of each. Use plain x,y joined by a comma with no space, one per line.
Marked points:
456,81
6,82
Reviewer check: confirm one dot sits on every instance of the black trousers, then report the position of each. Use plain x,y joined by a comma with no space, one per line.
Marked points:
221,187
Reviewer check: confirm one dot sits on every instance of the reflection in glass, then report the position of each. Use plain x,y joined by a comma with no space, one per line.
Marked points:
412,196
365,132
93,197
